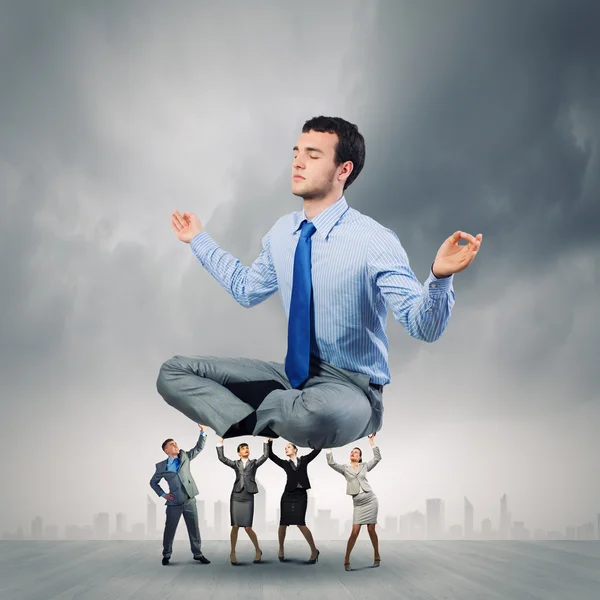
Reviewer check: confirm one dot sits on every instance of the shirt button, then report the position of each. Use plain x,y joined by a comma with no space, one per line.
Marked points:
434,285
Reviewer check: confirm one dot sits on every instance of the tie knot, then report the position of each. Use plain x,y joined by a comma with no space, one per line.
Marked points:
307,229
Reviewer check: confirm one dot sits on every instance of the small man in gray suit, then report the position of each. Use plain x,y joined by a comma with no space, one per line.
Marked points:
241,505
181,499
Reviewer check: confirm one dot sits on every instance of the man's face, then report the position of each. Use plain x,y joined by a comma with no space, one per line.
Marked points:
244,452
171,449
313,167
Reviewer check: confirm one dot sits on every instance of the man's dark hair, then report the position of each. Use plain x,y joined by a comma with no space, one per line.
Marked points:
360,460
241,446
350,146
166,442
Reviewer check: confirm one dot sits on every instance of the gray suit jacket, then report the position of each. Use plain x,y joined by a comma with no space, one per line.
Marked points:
355,479
181,483
244,477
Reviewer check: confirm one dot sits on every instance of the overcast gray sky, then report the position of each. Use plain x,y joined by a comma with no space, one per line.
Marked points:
482,116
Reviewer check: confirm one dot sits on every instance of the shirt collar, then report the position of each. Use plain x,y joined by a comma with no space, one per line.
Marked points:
325,221
172,460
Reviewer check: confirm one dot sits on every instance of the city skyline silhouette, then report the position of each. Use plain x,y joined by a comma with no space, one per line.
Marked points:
415,525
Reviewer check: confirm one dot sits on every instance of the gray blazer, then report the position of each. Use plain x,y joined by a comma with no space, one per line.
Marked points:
244,477
181,483
355,479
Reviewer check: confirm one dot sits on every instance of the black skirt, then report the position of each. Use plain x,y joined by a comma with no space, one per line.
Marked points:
241,508
293,507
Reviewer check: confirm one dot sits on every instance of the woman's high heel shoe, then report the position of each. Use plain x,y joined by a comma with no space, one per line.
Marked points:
347,566
376,562
281,557
312,561
257,560
231,559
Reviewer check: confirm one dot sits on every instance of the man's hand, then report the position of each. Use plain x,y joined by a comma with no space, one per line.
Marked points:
185,226
452,258
372,438
169,497
220,440
202,428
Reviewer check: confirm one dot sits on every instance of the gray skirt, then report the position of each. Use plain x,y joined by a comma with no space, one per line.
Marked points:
366,507
241,508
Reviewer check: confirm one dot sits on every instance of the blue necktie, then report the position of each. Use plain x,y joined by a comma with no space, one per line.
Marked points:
300,322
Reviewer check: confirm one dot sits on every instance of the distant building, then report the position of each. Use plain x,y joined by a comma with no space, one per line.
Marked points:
202,524
555,535
435,518
138,531
486,529
260,509
72,532
390,528
505,520
86,532
325,527
219,528
586,531
519,532
37,529
101,526
570,533
411,526
469,520
121,526
150,518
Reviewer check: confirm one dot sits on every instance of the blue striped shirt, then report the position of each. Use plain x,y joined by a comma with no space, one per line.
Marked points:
359,270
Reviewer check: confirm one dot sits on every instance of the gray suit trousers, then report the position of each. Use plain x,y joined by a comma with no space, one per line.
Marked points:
190,516
335,407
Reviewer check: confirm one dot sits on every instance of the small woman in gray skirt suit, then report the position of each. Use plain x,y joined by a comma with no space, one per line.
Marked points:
241,506
365,501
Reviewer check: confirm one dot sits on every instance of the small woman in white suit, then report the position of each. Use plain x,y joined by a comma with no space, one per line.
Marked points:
365,501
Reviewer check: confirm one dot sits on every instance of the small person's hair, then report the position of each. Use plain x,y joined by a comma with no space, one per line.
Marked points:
166,442
241,446
360,460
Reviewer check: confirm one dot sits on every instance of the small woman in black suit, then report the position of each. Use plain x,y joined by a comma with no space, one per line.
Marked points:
294,499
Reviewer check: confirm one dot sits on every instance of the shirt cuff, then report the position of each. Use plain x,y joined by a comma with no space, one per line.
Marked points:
201,244
441,285
203,433
163,495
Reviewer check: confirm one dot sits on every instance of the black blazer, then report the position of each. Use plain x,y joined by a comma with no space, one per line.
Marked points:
295,475
244,478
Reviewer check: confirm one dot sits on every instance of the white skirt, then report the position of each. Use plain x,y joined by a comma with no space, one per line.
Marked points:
366,507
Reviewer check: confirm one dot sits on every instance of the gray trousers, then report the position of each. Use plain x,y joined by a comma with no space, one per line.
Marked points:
334,408
190,516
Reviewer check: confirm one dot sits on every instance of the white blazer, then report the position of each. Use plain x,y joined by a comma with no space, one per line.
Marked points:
355,478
